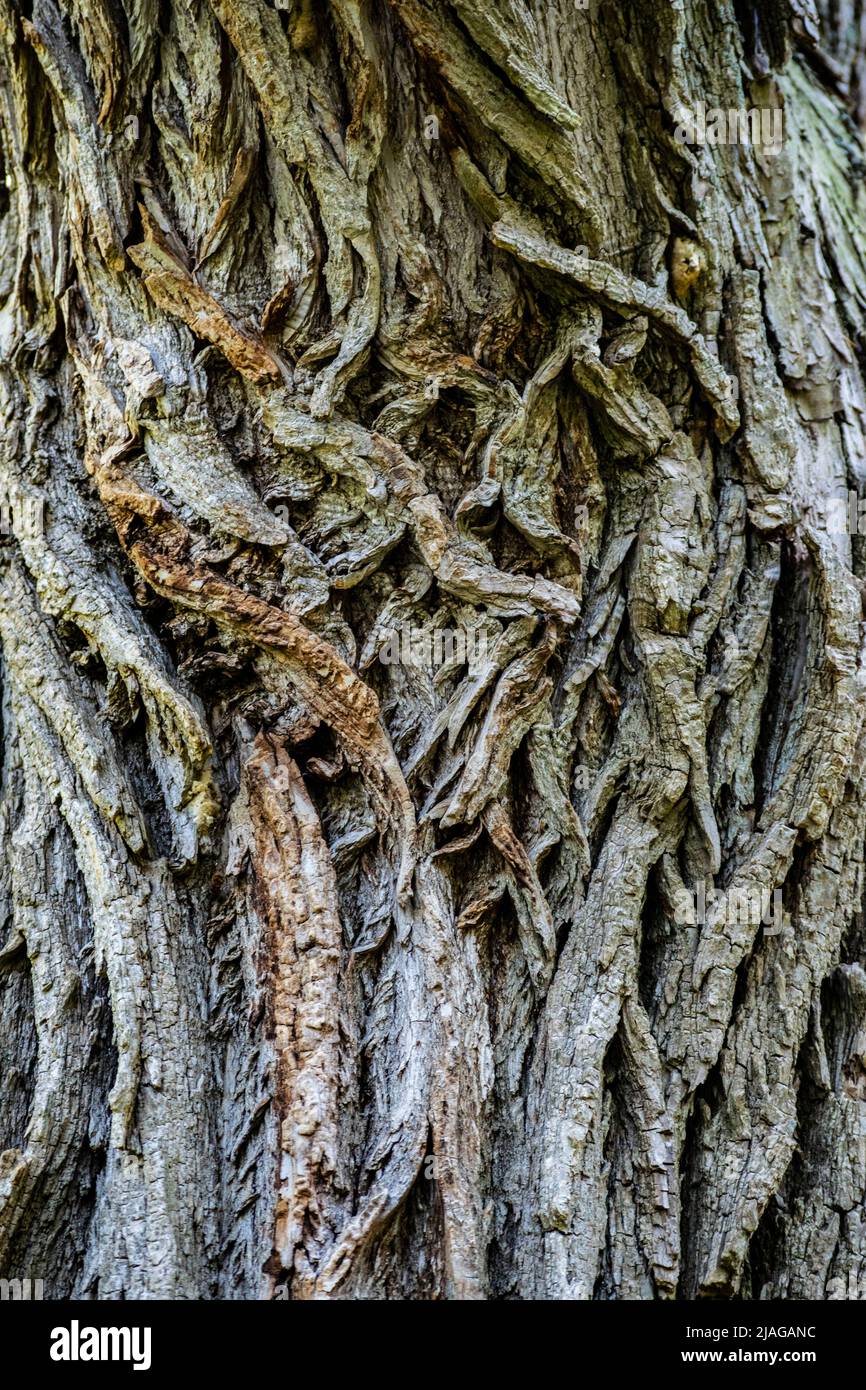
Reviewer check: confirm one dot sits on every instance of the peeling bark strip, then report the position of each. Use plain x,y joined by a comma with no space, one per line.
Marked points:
305,955
330,975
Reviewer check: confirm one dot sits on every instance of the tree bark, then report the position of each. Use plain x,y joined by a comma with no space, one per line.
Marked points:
341,962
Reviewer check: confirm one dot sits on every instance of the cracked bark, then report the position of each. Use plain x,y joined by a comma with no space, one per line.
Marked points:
328,977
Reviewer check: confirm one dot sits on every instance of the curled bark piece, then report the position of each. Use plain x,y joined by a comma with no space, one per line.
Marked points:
625,294
327,685
172,286
384,469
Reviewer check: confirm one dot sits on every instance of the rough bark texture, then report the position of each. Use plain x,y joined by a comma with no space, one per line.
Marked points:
322,977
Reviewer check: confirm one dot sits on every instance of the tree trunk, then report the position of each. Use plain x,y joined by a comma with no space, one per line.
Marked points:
429,643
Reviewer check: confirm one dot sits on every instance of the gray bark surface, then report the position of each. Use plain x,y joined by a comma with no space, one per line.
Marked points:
329,976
